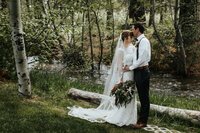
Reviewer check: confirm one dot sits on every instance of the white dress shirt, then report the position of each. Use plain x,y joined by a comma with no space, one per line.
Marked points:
144,55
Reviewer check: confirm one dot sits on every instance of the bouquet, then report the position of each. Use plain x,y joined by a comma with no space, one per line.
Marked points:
123,92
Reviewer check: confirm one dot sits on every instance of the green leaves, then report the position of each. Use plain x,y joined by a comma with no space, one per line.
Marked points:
75,58
123,92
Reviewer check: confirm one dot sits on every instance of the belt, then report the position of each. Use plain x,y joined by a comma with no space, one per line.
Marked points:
143,67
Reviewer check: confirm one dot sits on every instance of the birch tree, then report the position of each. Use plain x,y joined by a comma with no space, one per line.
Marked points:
18,45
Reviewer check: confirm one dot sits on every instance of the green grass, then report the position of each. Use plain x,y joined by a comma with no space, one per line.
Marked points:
176,102
47,110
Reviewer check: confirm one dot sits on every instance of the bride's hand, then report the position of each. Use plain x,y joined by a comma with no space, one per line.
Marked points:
126,68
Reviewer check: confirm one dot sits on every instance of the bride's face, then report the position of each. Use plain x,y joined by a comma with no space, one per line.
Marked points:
129,39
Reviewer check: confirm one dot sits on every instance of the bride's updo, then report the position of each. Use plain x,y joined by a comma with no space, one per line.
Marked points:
126,34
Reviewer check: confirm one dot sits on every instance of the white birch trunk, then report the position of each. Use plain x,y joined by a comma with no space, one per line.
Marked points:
191,115
19,47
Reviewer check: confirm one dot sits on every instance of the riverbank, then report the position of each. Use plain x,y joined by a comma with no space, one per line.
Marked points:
163,83
47,110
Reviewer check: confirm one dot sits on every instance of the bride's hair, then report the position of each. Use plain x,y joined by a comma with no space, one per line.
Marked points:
126,34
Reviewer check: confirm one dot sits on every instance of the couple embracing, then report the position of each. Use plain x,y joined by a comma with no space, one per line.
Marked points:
130,62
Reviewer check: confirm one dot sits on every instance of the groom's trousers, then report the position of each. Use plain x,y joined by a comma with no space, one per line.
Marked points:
142,77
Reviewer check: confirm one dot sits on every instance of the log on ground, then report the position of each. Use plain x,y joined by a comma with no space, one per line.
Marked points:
191,115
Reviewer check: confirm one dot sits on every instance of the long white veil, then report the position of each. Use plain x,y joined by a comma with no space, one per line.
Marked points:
113,76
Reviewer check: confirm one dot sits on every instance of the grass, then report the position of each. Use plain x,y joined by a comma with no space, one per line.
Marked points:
47,110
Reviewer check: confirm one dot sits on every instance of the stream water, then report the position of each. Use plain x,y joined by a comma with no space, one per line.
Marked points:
160,83
165,83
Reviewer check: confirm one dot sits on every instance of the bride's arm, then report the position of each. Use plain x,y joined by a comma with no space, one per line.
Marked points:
120,63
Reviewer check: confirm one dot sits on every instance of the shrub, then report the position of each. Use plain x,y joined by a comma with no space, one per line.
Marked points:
75,58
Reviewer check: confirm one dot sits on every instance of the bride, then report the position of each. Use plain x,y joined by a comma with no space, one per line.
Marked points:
107,111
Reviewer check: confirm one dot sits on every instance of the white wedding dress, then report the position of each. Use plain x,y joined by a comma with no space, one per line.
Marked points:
107,111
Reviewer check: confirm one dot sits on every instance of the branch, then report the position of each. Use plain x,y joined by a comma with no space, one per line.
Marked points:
155,29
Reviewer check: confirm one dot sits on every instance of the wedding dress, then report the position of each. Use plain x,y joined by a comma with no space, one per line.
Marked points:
107,111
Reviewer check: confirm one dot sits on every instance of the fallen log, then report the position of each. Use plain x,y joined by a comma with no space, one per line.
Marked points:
86,95
191,115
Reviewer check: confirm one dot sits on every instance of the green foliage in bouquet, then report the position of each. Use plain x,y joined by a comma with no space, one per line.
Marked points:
123,92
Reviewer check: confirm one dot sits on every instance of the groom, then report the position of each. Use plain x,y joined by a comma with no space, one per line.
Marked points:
141,73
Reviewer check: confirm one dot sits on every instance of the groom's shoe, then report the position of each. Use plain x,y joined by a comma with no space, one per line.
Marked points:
139,125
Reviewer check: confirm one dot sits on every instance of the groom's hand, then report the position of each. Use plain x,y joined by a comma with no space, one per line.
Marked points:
126,68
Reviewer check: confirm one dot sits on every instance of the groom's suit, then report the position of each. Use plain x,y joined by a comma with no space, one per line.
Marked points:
142,75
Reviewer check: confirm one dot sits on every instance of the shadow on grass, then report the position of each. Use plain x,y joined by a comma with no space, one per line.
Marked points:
19,115
33,115
46,112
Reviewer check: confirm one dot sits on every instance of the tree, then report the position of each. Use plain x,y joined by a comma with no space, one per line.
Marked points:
19,48
182,66
188,21
155,29
100,39
198,10
4,4
151,13
83,29
137,10
109,15
90,35
55,27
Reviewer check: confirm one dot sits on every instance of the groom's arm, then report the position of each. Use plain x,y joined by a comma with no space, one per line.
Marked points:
144,55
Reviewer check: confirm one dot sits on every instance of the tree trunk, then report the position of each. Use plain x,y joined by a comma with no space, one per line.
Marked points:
100,41
191,115
90,35
151,13
85,95
182,67
161,12
127,14
83,29
73,32
161,16
170,8
188,21
109,15
19,48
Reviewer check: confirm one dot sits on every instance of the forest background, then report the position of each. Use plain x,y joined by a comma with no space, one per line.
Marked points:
83,33
81,36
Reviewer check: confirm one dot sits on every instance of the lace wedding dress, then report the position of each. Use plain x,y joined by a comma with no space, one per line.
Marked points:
107,111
